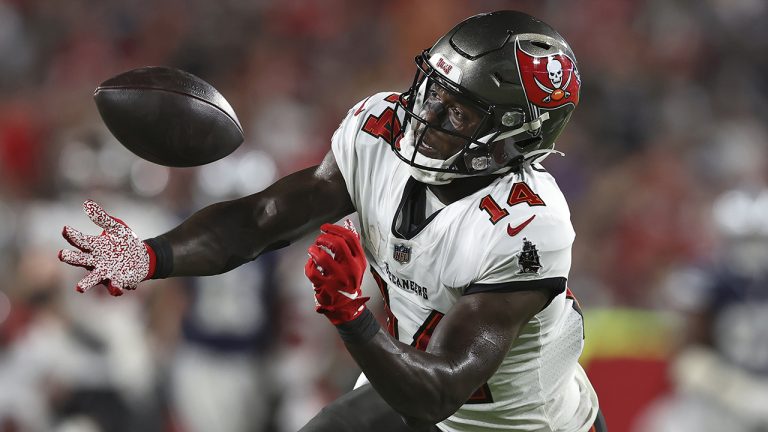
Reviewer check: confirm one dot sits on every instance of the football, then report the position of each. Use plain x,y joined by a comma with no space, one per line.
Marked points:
168,116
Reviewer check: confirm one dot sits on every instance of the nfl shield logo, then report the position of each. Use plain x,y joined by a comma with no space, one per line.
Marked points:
402,253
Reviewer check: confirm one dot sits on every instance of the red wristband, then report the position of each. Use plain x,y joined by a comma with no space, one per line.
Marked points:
152,261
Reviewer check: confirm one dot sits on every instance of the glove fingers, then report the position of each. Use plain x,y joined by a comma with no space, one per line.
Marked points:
77,258
351,238
349,225
94,278
321,258
77,239
313,273
356,246
101,218
336,244
114,290
338,230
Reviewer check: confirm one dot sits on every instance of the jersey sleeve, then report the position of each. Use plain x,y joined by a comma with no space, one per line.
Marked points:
343,147
537,258
359,148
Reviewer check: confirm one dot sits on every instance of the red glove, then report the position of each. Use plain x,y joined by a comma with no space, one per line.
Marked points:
116,258
336,266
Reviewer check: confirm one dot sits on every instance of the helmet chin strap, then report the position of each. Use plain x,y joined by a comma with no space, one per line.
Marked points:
532,125
537,156
434,177
482,162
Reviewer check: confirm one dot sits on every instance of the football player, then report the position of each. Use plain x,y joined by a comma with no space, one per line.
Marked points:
720,370
467,236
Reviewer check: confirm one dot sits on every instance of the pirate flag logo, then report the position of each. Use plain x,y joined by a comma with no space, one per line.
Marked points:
550,81
528,259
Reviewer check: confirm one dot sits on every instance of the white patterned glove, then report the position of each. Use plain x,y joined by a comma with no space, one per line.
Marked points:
117,258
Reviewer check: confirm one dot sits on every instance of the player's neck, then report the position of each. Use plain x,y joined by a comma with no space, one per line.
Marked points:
459,188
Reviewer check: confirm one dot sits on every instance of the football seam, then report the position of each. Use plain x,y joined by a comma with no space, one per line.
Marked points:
236,122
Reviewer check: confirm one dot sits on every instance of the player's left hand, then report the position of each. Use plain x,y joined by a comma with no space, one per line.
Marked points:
336,266
117,258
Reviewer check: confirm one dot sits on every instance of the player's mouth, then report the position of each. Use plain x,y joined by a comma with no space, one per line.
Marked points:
425,149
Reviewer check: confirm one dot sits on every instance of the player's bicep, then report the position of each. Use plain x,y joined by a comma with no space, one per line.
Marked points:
332,200
306,199
330,183
479,330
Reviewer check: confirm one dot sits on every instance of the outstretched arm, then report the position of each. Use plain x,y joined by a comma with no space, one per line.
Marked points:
214,240
225,235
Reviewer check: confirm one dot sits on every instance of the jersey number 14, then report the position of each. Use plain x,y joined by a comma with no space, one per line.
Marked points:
520,193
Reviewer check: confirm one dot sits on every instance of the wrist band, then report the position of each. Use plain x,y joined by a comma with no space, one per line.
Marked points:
360,329
164,256
152,261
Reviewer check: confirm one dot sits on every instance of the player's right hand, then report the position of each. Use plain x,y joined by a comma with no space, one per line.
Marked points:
117,258
336,266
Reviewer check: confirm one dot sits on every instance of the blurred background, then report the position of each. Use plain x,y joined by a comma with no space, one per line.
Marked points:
665,173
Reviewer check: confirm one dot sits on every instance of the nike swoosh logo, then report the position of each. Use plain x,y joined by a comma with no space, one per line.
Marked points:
352,296
516,230
359,110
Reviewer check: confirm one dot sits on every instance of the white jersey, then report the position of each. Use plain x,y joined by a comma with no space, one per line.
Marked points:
516,229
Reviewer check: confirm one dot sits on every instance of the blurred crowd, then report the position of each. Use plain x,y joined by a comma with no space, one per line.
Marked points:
665,170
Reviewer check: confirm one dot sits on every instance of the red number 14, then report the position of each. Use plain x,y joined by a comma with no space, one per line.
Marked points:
520,193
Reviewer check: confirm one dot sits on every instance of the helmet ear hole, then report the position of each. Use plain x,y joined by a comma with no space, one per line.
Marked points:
542,45
512,118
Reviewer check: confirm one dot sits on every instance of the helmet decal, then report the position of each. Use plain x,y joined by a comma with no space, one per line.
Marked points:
446,67
551,81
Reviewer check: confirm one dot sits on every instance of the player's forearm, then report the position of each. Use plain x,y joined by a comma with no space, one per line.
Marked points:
219,238
225,235
423,387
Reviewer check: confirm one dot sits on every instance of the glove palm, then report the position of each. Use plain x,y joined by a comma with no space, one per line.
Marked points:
116,258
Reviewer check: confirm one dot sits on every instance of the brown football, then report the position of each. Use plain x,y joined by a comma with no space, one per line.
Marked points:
168,116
